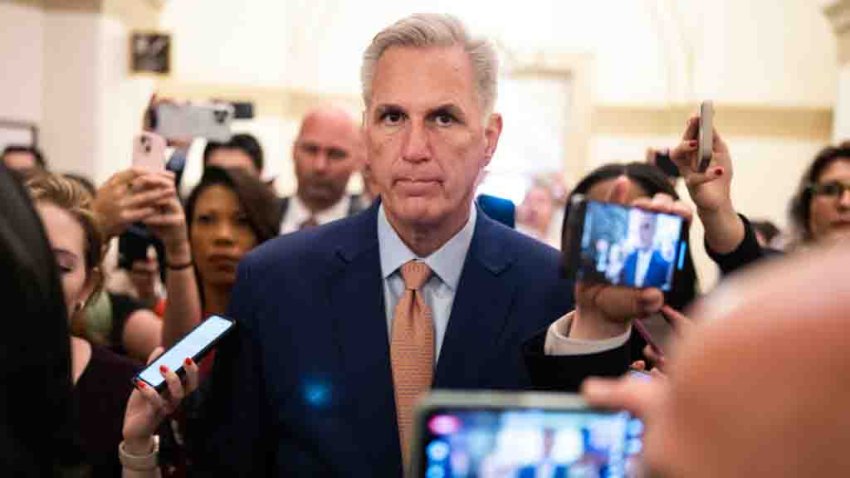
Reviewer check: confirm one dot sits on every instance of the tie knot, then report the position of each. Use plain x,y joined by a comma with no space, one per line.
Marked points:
415,274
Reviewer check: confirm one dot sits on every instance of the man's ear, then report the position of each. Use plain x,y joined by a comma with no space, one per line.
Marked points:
492,131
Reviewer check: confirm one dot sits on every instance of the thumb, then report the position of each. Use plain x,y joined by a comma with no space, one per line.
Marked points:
619,190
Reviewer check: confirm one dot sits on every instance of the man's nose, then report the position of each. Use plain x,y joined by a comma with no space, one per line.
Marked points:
320,161
844,198
416,147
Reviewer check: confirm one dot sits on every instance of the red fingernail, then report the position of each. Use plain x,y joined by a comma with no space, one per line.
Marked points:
718,171
141,384
188,361
692,143
163,369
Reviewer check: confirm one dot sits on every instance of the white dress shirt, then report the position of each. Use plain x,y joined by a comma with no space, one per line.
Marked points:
297,212
447,263
642,266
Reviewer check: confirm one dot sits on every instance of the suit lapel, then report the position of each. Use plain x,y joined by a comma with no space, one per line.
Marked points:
355,291
481,306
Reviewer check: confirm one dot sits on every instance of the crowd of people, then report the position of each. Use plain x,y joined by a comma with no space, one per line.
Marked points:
350,307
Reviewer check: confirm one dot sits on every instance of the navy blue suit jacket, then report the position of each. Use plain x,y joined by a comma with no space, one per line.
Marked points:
656,273
304,385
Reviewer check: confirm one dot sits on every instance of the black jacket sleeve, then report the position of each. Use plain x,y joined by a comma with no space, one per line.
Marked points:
565,373
747,252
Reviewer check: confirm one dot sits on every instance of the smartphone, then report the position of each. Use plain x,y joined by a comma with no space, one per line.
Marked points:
706,135
195,344
475,433
149,152
185,121
623,246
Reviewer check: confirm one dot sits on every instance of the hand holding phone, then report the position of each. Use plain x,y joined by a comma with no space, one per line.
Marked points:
603,309
195,345
705,135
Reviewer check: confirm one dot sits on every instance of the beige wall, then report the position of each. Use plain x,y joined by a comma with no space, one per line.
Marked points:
22,57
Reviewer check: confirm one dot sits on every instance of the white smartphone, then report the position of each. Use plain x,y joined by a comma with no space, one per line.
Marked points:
706,134
194,345
187,121
464,433
149,152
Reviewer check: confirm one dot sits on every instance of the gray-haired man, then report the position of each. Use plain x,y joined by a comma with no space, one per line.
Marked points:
342,327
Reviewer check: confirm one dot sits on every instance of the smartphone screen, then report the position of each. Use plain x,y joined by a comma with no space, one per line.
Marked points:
530,442
193,345
629,246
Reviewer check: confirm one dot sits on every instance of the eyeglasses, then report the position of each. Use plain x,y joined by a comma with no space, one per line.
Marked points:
833,189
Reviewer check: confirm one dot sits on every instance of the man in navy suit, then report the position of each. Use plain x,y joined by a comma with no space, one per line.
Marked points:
309,384
645,267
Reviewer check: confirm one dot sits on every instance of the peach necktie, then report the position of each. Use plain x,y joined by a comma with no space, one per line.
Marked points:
411,349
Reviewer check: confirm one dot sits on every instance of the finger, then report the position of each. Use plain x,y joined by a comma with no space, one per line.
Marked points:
648,301
154,354
681,209
146,198
627,393
136,215
676,319
638,365
691,128
152,397
192,375
144,267
652,355
152,181
619,191
175,387
122,177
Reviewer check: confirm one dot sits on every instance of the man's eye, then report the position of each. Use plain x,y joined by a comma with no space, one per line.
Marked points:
444,119
392,118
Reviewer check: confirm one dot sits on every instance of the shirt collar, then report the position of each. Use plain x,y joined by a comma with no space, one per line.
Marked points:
301,213
446,262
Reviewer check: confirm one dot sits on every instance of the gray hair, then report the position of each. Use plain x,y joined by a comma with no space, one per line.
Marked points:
423,30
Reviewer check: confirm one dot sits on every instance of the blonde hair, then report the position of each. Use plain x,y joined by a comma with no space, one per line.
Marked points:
424,30
71,196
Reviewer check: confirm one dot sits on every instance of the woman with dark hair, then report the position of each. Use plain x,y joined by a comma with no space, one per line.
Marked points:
820,210
645,181
228,213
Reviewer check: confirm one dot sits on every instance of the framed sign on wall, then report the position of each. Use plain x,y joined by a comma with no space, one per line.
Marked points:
150,53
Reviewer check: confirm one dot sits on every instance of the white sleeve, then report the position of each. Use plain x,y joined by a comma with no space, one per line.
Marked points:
558,341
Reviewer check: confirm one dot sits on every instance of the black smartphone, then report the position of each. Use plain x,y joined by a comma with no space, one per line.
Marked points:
624,246
195,344
494,433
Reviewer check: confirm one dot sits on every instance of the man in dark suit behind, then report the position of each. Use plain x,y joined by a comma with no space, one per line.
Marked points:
645,267
342,326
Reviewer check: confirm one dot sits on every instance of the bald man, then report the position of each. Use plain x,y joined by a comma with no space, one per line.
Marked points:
327,150
761,387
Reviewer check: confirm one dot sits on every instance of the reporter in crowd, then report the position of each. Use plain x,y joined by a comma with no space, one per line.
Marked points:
35,361
242,151
645,181
228,214
327,150
820,209
756,388
23,160
101,380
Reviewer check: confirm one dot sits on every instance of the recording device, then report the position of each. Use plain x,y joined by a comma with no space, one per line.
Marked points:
133,246
663,162
460,433
706,135
624,246
195,345
149,152
185,121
